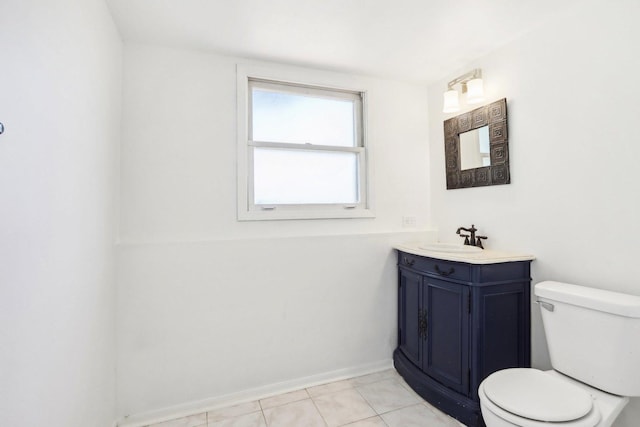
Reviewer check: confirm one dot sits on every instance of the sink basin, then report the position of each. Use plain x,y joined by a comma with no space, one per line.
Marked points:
450,248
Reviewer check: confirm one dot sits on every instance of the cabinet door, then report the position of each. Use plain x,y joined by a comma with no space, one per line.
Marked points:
409,310
501,340
446,357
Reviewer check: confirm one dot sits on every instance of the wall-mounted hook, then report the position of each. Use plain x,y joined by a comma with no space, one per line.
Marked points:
1,128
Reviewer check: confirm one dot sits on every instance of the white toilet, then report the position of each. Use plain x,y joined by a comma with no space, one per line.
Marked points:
593,337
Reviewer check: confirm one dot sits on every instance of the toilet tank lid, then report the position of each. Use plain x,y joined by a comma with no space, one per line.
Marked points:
596,299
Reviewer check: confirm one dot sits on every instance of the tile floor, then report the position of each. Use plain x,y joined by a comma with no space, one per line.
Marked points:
381,399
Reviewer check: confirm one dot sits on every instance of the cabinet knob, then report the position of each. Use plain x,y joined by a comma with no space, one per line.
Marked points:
409,261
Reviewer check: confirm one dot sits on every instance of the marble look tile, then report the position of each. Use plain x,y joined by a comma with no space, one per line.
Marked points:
254,419
283,399
299,414
369,422
413,416
411,391
387,395
232,411
343,407
448,421
330,388
190,421
375,377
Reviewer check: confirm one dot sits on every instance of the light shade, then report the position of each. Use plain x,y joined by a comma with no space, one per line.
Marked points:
451,103
475,91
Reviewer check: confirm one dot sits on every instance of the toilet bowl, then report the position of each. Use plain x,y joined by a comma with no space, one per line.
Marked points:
593,337
532,398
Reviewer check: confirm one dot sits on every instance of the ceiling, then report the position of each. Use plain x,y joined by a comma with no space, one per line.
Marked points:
415,40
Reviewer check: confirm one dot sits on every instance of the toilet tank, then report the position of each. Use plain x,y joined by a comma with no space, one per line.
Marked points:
593,335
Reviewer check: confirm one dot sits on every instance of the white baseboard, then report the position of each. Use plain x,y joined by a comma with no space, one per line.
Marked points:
192,408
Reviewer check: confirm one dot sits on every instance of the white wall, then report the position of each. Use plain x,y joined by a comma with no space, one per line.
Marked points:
209,306
60,84
574,197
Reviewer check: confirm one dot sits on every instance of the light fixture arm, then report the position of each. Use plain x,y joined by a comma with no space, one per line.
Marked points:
463,79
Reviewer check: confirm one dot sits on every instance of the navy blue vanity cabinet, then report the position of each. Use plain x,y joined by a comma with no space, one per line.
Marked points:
458,323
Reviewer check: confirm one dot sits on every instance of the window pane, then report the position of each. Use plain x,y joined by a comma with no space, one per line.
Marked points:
302,119
304,177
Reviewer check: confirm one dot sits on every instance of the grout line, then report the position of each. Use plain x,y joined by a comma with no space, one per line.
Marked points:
365,399
364,419
318,409
403,407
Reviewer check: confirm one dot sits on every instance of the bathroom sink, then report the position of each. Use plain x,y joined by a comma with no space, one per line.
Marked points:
450,248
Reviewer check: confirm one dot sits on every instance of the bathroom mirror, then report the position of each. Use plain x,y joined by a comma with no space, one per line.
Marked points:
476,147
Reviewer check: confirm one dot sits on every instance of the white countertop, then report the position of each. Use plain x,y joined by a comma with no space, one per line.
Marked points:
485,256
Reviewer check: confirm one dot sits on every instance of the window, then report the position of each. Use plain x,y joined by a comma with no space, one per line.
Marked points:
301,151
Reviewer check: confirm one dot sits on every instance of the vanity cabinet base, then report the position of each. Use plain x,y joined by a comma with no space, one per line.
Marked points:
461,408
459,322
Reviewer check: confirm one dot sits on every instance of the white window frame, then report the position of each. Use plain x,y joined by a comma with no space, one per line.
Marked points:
302,81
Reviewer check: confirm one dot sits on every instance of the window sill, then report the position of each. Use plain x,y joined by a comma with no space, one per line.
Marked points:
292,214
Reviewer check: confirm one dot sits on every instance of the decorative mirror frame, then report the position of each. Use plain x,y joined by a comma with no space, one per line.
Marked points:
493,115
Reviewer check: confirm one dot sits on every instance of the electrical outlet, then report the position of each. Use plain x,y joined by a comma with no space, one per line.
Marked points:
408,221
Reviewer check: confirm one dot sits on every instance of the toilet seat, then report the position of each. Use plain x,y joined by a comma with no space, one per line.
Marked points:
532,398
532,394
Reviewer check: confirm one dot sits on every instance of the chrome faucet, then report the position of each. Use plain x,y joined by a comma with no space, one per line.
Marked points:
471,239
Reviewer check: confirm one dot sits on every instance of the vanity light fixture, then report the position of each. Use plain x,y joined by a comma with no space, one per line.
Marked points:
451,102
471,84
